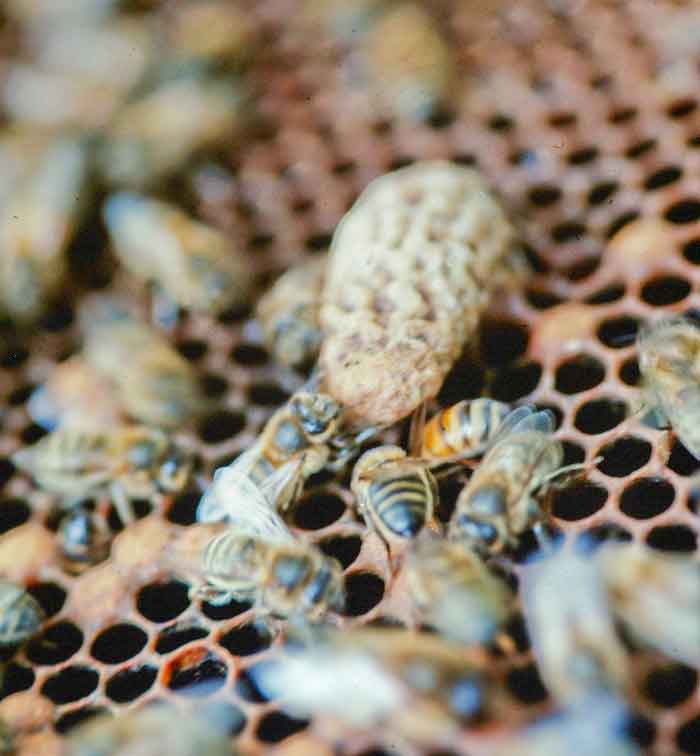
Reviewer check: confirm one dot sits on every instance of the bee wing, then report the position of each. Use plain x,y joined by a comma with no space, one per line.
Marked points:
522,419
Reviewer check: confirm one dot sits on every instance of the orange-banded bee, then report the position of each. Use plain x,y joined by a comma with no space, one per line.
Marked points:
497,505
300,439
258,559
20,614
131,461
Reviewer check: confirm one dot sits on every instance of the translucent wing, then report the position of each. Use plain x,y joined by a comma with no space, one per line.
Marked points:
521,420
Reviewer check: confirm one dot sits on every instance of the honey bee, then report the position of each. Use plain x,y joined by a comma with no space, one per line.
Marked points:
571,626
289,314
669,362
150,731
455,592
497,505
130,461
300,439
194,265
396,494
20,614
656,596
258,559
155,384
37,222
414,685
84,539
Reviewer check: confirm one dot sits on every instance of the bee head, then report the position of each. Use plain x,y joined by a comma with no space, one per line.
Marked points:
318,415
174,470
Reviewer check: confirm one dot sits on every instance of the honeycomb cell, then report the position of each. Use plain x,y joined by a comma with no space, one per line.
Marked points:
13,513
665,290
573,453
682,108
7,470
578,373
20,395
267,394
670,685
623,456
599,534
620,222
318,511
161,602
685,211
225,611
641,730
50,596
681,461
118,643
276,726
501,342
688,736
583,156
691,251
213,385
629,372
183,509
526,684
177,635
606,295
602,192
562,119
244,640
622,115
343,548
600,415
16,678
541,299
250,355
638,149
663,177
221,425
569,231
647,498
76,717
196,673
128,684
192,349
679,538
464,381
70,684
56,644
578,501
516,382
363,591
618,332
544,195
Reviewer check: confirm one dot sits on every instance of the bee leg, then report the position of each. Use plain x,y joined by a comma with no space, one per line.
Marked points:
122,503
415,433
165,312
665,446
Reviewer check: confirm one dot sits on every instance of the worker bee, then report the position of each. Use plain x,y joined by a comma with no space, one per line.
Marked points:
20,614
130,461
193,265
155,384
84,539
656,596
151,731
289,314
497,505
453,590
301,438
258,559
396,494
413,685
571,625
37,222
669,362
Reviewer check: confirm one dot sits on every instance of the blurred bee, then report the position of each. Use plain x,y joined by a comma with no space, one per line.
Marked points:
150,731
289,314
84,539
396,494
193,265
414,685
497,505
20,614
454,591
155,135
31,12
300,439
571,626
129,461
258,559
155,384
669,362
37,222
656,596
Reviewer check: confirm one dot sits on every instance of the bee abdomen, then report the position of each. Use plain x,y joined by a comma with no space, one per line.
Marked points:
401,504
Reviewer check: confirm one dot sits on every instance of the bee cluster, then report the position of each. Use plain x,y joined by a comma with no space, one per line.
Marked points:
455,498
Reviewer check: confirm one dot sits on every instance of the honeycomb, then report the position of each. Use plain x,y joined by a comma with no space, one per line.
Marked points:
584,116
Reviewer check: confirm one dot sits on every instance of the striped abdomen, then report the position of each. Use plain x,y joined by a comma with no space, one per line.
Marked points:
469,424
402,505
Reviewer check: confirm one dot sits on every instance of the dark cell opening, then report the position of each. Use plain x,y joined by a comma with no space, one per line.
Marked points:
276,726
582,156
363,591
679,538
579,373
535,259
213,385
526,684
516,382
250,355
682,108
401,161
13,513
629,372
464,159
620,222
609,294
267,394
70,684
318,511
465,380
543,195
646,498
32,433
663,177
624,456
20,395
602,192
500,122
225,611
56,644
670,685
140,507
260,242
641,730
343,548
57,318
343,167
197,678
14,357
50,596
517,630
578,501
582,269
569,231
16,679
247,639
640,148
573,453
319,242
688,736
681,461
76,717
541,299
665,290
7,470
176,636
621,115
554,410
600,415
502,342
619,332
685,211
691,251
562,119
694,141
183,510
221,425
118,643
160,602
128,684
247,687
590,539
192,349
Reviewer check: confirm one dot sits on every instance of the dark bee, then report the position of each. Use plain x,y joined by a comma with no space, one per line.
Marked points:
20,614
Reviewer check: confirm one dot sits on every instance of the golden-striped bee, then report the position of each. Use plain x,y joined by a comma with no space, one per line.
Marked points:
413,686
155,384
571,625
656,596
85,540
193,265
258,559
130,461
497,505
453,590
669,362
37,222
20,614
396,494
